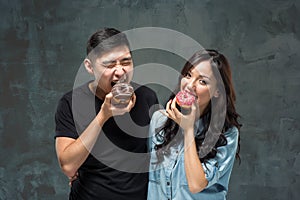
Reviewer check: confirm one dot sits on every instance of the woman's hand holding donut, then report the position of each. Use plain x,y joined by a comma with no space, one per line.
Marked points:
184,121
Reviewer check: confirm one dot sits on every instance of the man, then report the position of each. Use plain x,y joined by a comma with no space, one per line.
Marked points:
98,145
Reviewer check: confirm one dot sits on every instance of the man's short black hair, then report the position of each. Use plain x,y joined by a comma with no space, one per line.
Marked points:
104,40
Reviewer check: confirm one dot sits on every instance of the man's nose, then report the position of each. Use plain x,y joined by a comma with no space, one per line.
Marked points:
120,71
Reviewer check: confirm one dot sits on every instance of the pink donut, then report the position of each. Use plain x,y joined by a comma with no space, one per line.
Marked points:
185,99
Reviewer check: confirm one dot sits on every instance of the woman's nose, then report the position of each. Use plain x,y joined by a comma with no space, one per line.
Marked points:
190,84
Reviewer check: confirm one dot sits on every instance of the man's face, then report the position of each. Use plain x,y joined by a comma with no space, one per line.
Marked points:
110,67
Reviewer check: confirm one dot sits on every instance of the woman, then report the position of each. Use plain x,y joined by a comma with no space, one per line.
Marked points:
192,155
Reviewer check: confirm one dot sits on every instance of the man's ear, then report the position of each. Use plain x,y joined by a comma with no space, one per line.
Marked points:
88,66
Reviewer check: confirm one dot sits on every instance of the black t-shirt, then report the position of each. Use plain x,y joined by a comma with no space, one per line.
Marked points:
117,166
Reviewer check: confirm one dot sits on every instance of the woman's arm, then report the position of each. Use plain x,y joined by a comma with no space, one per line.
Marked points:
193,168
197,177
217,167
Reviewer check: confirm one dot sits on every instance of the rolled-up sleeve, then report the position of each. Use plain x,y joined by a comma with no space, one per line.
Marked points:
218,169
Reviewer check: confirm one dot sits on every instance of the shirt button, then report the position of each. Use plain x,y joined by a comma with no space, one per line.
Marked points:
176,151
168,183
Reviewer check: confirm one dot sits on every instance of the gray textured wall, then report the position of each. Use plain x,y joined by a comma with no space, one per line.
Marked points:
42,45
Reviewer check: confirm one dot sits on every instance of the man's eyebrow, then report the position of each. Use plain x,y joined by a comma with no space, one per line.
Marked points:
113,61
127,58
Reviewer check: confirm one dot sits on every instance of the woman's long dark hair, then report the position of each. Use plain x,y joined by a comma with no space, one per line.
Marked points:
224,105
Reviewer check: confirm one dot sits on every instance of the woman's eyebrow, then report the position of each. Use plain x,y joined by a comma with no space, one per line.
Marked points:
200,76
204,76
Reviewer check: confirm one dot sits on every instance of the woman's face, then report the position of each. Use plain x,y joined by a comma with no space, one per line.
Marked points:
201,82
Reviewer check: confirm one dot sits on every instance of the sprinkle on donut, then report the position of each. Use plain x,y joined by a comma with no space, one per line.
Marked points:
184,99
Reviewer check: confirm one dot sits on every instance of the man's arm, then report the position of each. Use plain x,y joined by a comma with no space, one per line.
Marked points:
71,153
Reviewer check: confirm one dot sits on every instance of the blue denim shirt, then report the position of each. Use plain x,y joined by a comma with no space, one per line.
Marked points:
167,180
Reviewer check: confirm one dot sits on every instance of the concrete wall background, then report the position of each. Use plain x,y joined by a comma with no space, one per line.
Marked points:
42,45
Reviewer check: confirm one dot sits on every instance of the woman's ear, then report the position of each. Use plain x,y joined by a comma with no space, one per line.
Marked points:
88,66
217,93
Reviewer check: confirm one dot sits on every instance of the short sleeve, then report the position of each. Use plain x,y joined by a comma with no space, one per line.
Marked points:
64,123
220,167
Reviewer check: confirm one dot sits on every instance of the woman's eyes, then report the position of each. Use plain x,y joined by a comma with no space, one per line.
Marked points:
202,82
188,75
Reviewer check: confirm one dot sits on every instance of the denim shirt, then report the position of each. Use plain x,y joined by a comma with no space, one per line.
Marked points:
167,180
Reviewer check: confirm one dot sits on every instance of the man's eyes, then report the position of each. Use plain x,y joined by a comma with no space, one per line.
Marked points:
125,62
113,64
